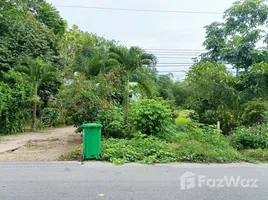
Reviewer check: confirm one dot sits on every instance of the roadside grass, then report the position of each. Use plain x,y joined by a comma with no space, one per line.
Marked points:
204,148
256,155
73,154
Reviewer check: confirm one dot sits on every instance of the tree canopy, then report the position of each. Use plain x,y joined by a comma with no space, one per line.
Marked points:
241,40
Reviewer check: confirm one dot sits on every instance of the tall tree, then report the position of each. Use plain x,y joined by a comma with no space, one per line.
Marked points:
212,94
38,73
211,87
92,57
131,59
165,83
30,28
241,39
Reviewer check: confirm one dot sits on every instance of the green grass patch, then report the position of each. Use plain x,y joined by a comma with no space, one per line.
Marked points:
204,147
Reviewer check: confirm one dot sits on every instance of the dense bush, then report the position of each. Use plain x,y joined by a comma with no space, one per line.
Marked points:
54,116
82,99
255,112
224,116
151,117
79,100
227,120
194,116
250,138
16,100
112,121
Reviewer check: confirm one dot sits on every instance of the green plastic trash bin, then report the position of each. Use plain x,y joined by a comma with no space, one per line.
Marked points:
91,140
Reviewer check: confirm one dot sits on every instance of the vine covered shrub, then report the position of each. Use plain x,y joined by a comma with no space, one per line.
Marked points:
151,117
15,106
255,112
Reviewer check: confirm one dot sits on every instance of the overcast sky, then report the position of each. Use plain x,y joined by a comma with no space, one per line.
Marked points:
148,30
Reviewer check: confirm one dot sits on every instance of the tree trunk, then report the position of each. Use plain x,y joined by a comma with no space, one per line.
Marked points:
34,110
127,99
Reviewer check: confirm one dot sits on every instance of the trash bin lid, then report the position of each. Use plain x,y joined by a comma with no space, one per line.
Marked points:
92,125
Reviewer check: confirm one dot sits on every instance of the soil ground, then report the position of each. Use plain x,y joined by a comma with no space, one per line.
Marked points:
40,146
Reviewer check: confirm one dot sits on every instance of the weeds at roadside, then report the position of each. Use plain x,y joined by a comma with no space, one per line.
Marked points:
74,154
255,155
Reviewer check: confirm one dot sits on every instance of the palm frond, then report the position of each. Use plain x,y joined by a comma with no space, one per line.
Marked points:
118,58
38,72
149,59
131,59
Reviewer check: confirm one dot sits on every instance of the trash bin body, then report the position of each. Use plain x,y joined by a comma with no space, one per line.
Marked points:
91,140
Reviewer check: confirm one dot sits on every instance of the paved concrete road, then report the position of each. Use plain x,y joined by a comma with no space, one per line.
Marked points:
94,180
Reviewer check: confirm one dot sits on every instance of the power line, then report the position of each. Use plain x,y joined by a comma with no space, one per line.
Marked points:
175,63
172,71
188,50
175,53
175,66
175,57
162,54
141,10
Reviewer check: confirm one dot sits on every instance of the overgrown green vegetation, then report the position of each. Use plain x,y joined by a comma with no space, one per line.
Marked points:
198,144
256,155
250,138
141,149
204,144
151,117
51,75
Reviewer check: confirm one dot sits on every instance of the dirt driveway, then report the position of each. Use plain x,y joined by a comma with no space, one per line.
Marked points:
42,146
